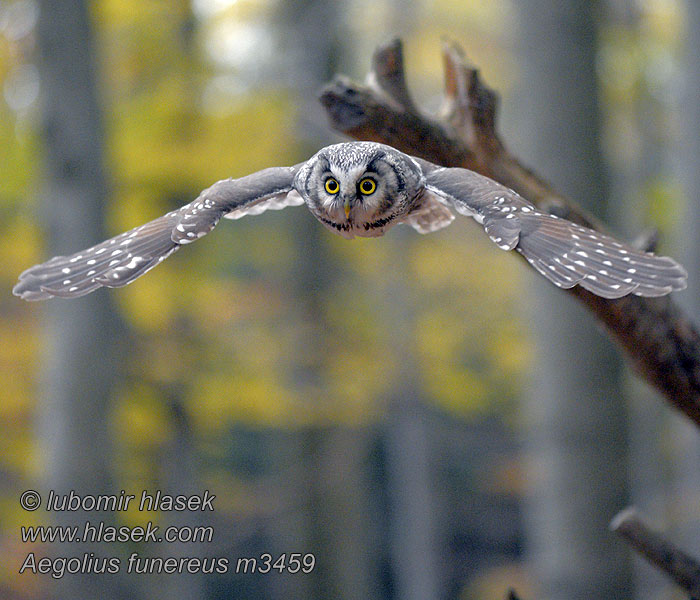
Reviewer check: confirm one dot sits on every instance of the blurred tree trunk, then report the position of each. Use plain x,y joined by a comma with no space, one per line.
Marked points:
633,172
179,475
687,441
179,464
412,505
412,518
408,440
330,473
80,366
575,410
689,156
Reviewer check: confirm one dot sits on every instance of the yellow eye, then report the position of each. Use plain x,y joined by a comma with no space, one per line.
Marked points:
367,186
332,186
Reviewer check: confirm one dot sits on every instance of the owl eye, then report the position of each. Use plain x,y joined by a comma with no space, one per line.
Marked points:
368,186
332,185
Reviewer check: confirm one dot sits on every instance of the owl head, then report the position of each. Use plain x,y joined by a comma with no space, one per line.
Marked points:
360,188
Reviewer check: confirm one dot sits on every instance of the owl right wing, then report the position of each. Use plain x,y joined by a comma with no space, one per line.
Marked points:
566,253
120,260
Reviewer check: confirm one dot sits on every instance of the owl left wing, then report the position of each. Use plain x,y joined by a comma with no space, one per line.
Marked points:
122,259
565,253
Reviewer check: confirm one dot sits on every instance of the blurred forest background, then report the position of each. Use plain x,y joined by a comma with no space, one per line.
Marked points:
425,415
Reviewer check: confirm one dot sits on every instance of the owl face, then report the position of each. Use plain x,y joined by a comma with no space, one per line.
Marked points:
359,189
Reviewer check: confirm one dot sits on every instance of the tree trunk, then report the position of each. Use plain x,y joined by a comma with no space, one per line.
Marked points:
331,459
574,410
631,175
687,442
178,465
412,506
80,365
412,520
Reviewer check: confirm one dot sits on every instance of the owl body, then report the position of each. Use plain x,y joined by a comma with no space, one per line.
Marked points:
363,189
398,180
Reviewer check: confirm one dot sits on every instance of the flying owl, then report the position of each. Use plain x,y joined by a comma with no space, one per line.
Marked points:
363,189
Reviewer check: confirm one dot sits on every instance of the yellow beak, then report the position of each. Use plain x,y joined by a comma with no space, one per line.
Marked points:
346,207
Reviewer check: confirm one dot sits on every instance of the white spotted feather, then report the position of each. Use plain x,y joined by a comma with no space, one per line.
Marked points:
569,254
408,190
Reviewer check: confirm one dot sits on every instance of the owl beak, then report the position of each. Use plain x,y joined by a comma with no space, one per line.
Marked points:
346,207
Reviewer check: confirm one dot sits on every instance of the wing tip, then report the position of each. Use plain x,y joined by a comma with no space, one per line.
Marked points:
28,288
32,295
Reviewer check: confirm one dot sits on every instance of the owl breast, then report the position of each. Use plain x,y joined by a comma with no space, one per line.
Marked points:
350,229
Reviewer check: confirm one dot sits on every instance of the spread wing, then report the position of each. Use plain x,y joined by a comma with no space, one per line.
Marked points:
120,260
565,253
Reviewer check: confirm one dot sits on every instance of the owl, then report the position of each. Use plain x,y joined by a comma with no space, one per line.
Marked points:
363,189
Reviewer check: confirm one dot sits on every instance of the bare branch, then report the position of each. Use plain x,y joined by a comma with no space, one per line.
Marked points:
678,565
659,340
387,77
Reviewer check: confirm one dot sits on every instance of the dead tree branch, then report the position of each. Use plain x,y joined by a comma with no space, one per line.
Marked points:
655,335
680,567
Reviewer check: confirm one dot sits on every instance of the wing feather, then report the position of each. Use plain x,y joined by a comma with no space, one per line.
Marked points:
430,214
566,253
122,259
